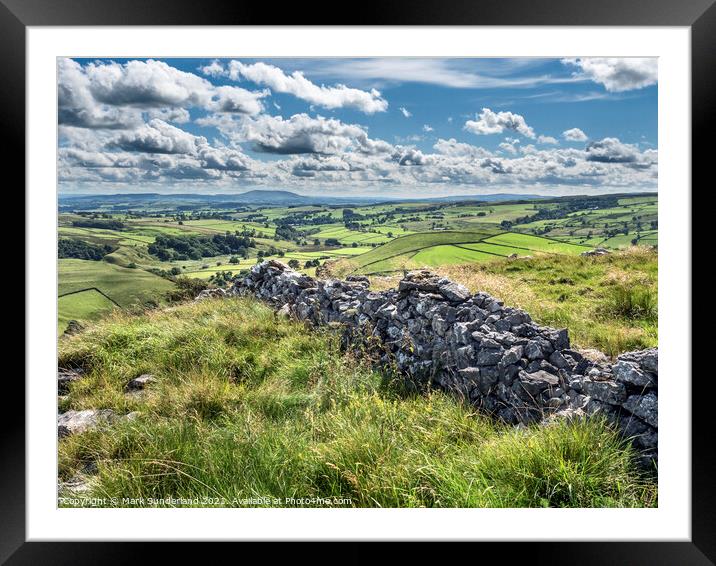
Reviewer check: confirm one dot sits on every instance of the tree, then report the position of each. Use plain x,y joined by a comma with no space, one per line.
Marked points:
293,263
234,259
175,271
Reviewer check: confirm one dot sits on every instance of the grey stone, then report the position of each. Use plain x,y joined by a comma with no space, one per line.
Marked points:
76,422
630,373
140,382
489,356
454,292
606,391
533,350
64,378
536,382
645,407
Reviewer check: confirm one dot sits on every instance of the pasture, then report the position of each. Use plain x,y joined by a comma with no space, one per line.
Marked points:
371,239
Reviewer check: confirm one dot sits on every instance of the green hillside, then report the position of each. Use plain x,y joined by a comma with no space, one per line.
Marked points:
87,289
248,405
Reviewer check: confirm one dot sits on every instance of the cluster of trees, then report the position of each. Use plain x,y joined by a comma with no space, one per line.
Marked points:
221,278
563,208
295,264
307,218
288,232
178,248
78,249
106,223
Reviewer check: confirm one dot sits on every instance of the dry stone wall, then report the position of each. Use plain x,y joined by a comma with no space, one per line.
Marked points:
434,330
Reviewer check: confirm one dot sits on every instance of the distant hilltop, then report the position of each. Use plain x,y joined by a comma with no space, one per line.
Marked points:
267,197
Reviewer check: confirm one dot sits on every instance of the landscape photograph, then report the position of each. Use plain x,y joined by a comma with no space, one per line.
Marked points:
357,282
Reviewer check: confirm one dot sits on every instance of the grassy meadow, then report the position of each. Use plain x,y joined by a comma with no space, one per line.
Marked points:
250,405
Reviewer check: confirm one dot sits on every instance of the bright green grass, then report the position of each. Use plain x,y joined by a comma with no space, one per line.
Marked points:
123,285
415,242
446,255
345,236
247,405
82,306
535,243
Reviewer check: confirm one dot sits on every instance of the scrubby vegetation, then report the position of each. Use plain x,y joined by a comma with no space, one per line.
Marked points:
103,223
79,249
170,248
248,405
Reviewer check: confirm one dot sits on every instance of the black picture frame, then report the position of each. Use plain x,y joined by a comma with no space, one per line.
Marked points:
699,15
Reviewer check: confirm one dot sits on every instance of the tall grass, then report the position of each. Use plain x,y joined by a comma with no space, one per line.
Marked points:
246,405
632,301
607,302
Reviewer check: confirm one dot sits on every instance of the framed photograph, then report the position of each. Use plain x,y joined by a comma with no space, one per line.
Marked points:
405,278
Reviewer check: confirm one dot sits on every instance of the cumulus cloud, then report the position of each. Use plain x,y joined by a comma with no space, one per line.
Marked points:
574,135
338,96
157,136
489,122
411,156
547,140
611,150
114,95
300,134
120,124
77,106
508,147
618,74
223,159
454,148
236,100
607,162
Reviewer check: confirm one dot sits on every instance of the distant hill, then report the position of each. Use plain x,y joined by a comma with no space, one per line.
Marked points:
268,197
252,197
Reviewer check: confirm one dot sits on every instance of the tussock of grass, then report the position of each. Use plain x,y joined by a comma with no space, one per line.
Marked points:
607,302
246,405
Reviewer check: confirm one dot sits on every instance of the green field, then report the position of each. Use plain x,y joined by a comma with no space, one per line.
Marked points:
123,286
83,306
455,247
382,238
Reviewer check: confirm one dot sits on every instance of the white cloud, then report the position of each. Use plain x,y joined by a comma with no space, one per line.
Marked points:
453,148
608,163
547,140
113,95
489,122
78,107
611,150
574,135
233,99
338,96
157,136
445,72
405,112
618,74
300,134
427,128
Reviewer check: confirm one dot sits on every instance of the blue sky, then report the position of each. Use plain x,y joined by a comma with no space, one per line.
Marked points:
398,126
